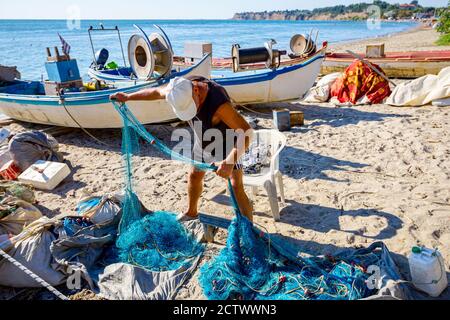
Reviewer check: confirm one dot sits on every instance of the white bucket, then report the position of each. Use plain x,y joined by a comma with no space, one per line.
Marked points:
428,271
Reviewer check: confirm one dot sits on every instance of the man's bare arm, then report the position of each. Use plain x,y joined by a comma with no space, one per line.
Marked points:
233,119
142,95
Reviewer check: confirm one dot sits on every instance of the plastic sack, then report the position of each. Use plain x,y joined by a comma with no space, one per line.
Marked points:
81,245
28,147
32,249
15,222
18,190
321,92
421,91
257,158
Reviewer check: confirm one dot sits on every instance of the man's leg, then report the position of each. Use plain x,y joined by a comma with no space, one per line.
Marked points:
237,181
195,189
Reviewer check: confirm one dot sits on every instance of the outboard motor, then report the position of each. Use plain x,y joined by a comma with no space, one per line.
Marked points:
242,57
101,58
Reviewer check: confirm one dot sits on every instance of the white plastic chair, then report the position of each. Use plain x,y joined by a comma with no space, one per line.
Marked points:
268,179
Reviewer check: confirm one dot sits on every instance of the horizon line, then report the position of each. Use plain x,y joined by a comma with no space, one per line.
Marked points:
171,19
110,19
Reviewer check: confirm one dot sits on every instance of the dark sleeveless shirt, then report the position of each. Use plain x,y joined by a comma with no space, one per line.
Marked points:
217,96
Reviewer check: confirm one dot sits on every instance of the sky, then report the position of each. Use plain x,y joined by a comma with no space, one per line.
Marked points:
160,9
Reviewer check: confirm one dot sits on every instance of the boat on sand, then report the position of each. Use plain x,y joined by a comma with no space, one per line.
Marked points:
26,101
408,65
286,83
257,84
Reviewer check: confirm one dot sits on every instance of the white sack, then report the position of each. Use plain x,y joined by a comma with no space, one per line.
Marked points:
421,91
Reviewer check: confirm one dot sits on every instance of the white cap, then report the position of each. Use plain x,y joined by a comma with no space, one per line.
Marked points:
179,97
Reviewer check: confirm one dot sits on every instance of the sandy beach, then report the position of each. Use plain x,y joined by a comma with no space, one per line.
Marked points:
353,176
418,39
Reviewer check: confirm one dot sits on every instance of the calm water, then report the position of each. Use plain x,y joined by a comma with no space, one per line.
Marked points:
23,43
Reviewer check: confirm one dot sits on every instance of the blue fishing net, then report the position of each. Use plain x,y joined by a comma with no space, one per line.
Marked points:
249,267
152,240
132,210
158,242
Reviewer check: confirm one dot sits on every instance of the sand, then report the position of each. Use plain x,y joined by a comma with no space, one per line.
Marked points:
417,39
353,176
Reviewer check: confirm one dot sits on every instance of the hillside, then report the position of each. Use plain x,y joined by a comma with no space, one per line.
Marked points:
341,12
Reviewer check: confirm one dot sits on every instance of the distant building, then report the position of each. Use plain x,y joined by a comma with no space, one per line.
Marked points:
408,6
423,16
390,14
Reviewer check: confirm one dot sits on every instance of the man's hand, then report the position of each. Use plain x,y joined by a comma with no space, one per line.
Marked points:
120,97
225,169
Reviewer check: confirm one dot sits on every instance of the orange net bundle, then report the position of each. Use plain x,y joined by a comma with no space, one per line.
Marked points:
358,81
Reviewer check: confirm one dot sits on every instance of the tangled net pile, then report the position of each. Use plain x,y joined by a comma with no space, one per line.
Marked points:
249,267
158,242
152,240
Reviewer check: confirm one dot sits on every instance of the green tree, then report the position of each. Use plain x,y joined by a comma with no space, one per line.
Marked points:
444,20
444,25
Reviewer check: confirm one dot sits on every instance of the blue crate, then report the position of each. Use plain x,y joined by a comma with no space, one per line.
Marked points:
63,71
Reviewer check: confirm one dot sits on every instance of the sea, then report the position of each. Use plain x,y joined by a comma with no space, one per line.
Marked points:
23,43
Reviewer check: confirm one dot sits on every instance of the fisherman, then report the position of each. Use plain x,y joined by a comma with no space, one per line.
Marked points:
206,105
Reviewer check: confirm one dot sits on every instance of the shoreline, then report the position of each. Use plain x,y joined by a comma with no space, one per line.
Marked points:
418,27
418,38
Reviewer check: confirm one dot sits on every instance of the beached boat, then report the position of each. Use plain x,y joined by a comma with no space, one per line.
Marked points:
258,84
395,64
286,83
227,63
150,58
26,101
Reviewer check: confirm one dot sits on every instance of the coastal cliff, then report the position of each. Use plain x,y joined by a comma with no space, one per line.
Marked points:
280,16
359,11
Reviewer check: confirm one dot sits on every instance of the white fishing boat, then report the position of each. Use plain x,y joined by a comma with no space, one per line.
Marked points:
26,101
259,85
149,56
264,86
255,75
